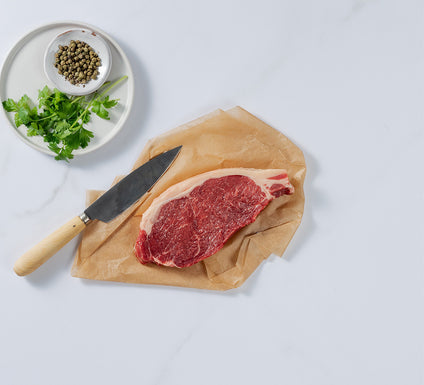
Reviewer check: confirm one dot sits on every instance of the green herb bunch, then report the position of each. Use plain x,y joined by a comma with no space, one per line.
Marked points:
60,118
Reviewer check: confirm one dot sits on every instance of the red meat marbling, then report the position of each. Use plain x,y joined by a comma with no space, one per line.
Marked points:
194,218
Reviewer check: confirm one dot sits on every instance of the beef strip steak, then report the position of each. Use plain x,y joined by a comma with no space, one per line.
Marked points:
193,219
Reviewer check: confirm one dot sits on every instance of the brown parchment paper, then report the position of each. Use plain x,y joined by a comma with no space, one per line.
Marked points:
221,139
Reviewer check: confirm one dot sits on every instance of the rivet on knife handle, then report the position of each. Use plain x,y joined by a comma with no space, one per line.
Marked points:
49,246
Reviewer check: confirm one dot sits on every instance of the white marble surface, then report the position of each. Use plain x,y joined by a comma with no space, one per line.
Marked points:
343,79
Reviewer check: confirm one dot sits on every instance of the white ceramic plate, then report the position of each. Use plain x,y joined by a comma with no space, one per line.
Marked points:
23,73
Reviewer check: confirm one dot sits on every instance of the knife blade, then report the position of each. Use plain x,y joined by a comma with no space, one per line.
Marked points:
109,205
123,194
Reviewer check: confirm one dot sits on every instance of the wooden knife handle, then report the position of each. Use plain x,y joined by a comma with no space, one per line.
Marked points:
49,246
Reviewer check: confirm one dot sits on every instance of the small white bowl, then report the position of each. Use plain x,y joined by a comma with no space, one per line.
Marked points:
96,42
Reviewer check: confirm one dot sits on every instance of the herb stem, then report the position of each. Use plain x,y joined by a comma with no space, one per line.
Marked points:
47,117
78,98
96,97
113,85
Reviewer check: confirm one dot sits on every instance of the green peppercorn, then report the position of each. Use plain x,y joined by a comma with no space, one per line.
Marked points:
77,62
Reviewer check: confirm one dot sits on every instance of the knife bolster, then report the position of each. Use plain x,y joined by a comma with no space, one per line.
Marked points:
84,217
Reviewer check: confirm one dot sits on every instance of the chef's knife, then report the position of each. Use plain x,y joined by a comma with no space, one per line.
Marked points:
112,203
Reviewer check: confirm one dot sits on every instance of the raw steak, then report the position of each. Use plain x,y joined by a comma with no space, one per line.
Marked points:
193,219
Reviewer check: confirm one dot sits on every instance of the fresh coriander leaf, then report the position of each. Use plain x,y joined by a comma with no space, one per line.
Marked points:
65,153
64,134
10,105
43,95
103,113
18,121
50,138
109,103
68,108
54,147
85,137
95,106
24,102
32,129
61,126
24,115
59,98
72,140
99,110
